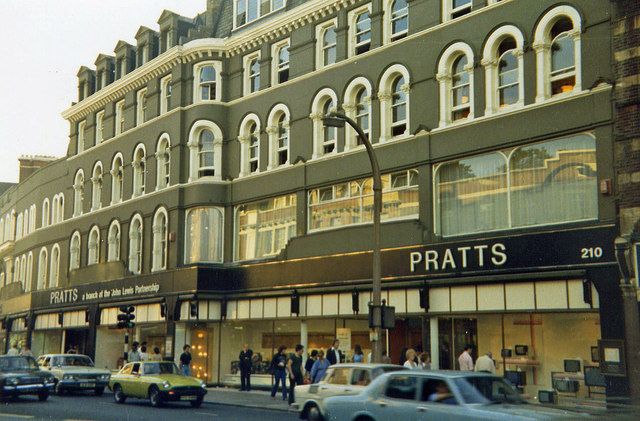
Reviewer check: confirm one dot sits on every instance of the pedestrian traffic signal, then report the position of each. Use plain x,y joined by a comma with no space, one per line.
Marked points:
193,309
126,317
424,298
295,302
355,301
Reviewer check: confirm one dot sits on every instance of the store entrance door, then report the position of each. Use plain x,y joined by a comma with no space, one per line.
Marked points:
453,335
76,338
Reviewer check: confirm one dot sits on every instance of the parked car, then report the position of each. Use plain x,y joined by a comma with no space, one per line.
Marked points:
75,372
157,381
440,396
340,380
21,376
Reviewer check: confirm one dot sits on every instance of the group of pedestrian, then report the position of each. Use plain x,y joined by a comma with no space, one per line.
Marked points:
484,363
415,361
24,350
139,352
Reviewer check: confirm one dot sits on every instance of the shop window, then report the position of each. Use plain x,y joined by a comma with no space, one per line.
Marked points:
544,183
264,228
351,203
203,242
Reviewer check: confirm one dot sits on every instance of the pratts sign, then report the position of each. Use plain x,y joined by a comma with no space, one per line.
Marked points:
73,295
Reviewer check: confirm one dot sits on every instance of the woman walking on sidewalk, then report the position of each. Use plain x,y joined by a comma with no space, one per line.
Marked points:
279,370
319,368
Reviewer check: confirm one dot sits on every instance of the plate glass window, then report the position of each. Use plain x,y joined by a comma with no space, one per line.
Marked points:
204,235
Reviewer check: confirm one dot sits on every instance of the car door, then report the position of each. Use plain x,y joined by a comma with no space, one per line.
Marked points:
437,402
335,383
124,379
397,399
135,384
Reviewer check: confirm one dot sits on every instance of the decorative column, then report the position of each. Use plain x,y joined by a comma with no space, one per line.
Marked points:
350,136
385,115
244,155
491,87
317,134
543,65
444,81
272,134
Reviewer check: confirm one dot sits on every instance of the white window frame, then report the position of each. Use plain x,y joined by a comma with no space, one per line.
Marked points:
119,118
54,271
248,76
165,88
276,67
542,46
28,277
448,10
353,16
163,162
46,214
160,241
320,48
43,263
93,246
96,186
78,196
193,144
75,251
444,78
136,239
81,137
350,107
141,106
272,9
317,113
117,179
139,165
385,96
389,19
197,93
245,147
114,241
273,131
99,127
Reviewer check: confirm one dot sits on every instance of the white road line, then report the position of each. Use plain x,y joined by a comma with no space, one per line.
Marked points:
16,416
206,413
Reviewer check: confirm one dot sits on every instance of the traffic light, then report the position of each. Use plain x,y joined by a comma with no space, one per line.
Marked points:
126,317
424,298
193,309
355,301
295,302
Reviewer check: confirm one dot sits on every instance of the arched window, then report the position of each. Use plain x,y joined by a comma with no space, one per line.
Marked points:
325,139
60,207
16,270
455,77
205,151
54,273
503,63
252,73
203,243
78,197
42,269
23,273
359,30
558,53
57,209
249,139
74,251
327,44
357,105
206,155
163,160
117,179
19,225
395,87
206,81
32,218
280,65
93,245
29,272
135,245
113,253
278,131
159,240
96,187
396,19
80,138
45,213
139,164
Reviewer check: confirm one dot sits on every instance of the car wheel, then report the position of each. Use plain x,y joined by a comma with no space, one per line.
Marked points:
59,389
99,391
43,396
155,398
118,395
198,402
313,413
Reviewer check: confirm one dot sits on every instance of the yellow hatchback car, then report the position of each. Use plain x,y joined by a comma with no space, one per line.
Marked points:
159,382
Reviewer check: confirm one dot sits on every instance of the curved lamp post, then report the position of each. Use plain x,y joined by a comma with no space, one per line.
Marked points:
339,120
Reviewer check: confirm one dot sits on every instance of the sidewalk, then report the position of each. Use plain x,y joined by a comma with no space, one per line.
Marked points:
254,399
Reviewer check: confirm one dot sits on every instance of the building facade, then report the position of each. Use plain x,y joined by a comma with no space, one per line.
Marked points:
201,186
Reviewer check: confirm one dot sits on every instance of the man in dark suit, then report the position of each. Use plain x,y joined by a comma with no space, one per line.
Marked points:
245,367
334,356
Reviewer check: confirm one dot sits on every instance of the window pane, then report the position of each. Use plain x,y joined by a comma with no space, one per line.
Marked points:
252,12
208,74
460,3
554,182
401,387
562,54
204,235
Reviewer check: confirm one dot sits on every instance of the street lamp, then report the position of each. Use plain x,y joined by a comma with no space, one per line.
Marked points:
338,120
631,319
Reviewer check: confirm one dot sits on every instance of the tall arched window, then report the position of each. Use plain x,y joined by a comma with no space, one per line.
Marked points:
206,81
278,131
163,160
45,213
74,251
327,44
205,151
203,242
558,53
325,139
93,245
23,273
503,63
117,179
395,88
159,240
19,226
249,139
360,30
78,197
96,187
139,164
455,77
357,105
396,19
29,272
135,245
42,269
54,273
113,252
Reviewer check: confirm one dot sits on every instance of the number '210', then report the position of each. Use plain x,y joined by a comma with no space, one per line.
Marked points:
591,252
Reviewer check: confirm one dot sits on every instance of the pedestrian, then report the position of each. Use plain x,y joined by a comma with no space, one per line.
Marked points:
279,370
319,368
246,358
309,364
425,361
485,363
134,354
334,356
403,356
410,362
156,356
144,356
294,368
464,360
358,355
26,351
185,360
385,358
72,350
13,351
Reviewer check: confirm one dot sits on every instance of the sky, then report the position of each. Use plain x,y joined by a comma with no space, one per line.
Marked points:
44,44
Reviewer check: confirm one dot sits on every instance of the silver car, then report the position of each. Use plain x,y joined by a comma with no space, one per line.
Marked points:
340,380
75,372
439,396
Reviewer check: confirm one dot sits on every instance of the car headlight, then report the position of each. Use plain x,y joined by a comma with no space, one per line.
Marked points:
12,381
48,380
166,385
68,377
203,384
104,377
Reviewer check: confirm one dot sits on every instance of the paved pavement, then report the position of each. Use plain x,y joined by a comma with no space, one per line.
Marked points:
253,399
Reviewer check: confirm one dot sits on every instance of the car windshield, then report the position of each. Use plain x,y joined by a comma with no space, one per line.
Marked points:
8,364
487,390
387,369
160,368
74,360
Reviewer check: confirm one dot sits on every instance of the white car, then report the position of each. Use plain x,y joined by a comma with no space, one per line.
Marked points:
74,372
340,380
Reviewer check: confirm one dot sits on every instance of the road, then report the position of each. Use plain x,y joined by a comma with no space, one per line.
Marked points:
88,407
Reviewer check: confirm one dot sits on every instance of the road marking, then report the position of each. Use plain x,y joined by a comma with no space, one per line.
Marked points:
16,416
206,413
